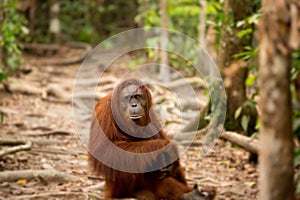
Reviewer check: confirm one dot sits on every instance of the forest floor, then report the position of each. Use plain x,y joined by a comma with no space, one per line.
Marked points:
48,122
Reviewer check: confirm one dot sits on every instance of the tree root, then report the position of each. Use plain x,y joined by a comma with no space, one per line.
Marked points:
58,151
45,175
66,61
60,94
52,132
198,122
17,85
182,82
61,195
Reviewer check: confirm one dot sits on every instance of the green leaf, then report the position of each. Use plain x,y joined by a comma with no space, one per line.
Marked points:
245,121
24,30
253,19
250,103
297,152
240,23
238,112
207,117
1,76
250,80
242,33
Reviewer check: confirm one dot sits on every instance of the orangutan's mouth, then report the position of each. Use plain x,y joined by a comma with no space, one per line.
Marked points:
135,117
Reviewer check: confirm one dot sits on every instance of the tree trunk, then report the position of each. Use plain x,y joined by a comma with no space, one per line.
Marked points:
54,26
1,24
235,71
164,73
276,155
202,24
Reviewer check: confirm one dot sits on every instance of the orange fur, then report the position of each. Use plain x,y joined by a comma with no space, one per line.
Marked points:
119,184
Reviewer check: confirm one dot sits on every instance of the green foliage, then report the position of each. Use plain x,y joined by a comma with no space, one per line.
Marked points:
245,122
295,65
89,21
296,165
183,16
13,27
251,80
238,112
295,69
1,76
75,14
243,114
148,13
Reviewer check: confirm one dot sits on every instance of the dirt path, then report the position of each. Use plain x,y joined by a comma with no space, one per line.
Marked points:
27,116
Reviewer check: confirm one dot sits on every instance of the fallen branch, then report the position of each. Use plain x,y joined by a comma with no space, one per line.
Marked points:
53,132
36,141
250,144
22,146
46,175
58,151
247,143
43,128
61,195
11,142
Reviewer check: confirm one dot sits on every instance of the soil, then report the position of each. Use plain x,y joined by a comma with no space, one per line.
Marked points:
30,117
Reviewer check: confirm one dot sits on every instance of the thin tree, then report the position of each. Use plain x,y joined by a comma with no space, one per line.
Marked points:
202,24
54,25
2,4
164,73
276,28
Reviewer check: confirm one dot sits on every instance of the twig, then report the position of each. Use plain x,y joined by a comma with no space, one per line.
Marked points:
24,146
43,128
45,141
56,100
11,142
99,186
